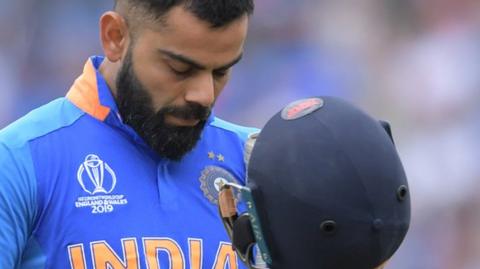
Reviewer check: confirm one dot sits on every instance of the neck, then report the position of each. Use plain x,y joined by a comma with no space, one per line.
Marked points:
109,71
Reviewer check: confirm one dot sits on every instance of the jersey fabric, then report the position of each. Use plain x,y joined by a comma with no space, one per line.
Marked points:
79,189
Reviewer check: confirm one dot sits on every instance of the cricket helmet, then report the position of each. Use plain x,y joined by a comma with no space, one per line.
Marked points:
328,188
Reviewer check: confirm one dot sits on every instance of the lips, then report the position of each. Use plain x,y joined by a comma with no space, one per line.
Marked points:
177,121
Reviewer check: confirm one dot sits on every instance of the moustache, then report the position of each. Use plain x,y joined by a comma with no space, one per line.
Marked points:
191,111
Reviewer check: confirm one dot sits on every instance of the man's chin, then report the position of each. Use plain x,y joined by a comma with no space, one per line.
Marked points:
174,142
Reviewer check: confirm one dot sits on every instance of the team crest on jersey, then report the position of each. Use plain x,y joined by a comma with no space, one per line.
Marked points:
211,180
98,179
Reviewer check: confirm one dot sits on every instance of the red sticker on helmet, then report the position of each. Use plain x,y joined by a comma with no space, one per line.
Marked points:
301,108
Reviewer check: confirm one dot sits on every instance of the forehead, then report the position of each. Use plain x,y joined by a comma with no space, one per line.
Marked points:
183,33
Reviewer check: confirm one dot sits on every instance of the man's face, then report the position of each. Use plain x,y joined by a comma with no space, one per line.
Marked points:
172,75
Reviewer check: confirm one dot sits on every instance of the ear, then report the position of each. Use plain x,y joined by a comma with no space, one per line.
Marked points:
113,35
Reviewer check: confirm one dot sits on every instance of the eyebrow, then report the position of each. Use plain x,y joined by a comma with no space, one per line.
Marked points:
194,63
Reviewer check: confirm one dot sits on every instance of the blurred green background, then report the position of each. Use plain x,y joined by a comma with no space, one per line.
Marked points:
415,63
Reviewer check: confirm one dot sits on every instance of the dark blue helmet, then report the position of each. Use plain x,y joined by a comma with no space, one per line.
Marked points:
327,190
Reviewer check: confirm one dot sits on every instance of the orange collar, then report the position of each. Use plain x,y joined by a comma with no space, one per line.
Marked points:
84,93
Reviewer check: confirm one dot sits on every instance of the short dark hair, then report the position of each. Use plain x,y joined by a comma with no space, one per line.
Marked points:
217,13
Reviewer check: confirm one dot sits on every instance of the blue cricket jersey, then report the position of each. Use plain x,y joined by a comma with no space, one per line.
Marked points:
79,189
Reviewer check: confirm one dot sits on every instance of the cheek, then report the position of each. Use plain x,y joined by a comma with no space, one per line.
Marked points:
158,81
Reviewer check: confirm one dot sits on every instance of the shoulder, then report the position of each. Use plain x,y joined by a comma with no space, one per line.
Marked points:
18,181
19,187
16,158
46,119
238,131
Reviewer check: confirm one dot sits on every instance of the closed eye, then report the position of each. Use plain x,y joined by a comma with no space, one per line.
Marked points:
182,72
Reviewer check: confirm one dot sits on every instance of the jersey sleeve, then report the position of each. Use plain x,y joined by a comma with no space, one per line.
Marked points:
17,203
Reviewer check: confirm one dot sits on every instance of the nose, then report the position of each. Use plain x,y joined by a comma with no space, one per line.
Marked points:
201,91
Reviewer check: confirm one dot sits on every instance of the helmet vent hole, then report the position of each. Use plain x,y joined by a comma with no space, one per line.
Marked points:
402,193
328,226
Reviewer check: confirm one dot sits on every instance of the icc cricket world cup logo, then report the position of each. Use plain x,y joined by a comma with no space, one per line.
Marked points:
92,177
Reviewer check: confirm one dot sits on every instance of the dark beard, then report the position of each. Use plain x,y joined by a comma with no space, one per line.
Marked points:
136,107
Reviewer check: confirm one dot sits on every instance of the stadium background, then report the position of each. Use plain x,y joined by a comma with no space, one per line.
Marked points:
415,63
